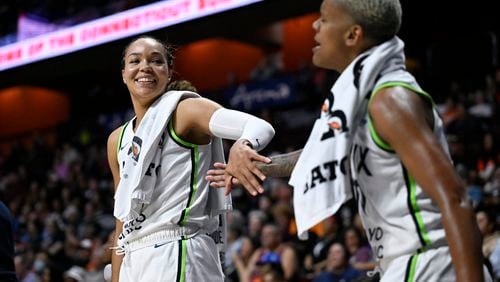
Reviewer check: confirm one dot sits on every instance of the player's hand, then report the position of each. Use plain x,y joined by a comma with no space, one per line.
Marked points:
216,176
242,167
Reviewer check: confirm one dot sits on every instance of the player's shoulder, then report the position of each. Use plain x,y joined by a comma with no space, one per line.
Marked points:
189,102
393,99
392,94
195,107
116,133
114,136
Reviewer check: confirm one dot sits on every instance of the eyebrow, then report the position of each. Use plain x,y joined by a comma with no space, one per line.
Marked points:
139,54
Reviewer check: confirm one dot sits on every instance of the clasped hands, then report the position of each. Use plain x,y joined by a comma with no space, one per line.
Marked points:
241,169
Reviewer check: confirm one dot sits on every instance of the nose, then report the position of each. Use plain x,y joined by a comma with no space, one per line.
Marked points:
315,24
144,66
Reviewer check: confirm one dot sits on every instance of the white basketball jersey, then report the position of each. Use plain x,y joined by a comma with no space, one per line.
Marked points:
398,216
181,191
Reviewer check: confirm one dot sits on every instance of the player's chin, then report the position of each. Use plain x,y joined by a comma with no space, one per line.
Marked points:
149,93
322,61
318,61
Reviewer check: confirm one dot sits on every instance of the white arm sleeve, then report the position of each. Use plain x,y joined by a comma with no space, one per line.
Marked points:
235,125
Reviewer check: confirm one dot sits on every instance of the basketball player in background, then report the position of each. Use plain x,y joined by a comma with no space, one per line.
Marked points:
411,200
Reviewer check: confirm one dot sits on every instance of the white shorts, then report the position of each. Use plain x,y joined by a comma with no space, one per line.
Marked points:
190,260
431,265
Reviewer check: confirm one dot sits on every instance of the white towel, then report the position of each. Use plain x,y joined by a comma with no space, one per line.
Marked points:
321,178
136,188
218,204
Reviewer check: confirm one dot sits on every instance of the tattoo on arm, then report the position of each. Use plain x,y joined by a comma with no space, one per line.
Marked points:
281,165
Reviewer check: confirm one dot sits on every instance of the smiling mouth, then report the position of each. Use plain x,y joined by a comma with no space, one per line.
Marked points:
145,81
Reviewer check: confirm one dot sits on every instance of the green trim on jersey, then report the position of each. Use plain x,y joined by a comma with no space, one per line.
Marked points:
414,208
402,84
380,143
373,133
178,139
120,137
410,268
195,159
181,265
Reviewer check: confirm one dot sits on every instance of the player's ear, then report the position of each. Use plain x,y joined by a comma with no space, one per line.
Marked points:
353,35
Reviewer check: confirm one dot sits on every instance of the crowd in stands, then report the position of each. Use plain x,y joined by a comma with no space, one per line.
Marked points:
58,186
60,191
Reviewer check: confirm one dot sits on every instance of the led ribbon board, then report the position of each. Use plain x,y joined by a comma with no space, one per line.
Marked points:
120,25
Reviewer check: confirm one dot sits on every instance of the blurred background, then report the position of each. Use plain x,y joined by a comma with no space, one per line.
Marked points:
57,112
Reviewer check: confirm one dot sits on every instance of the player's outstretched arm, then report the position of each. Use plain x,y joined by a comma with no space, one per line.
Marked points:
280,166
252,134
